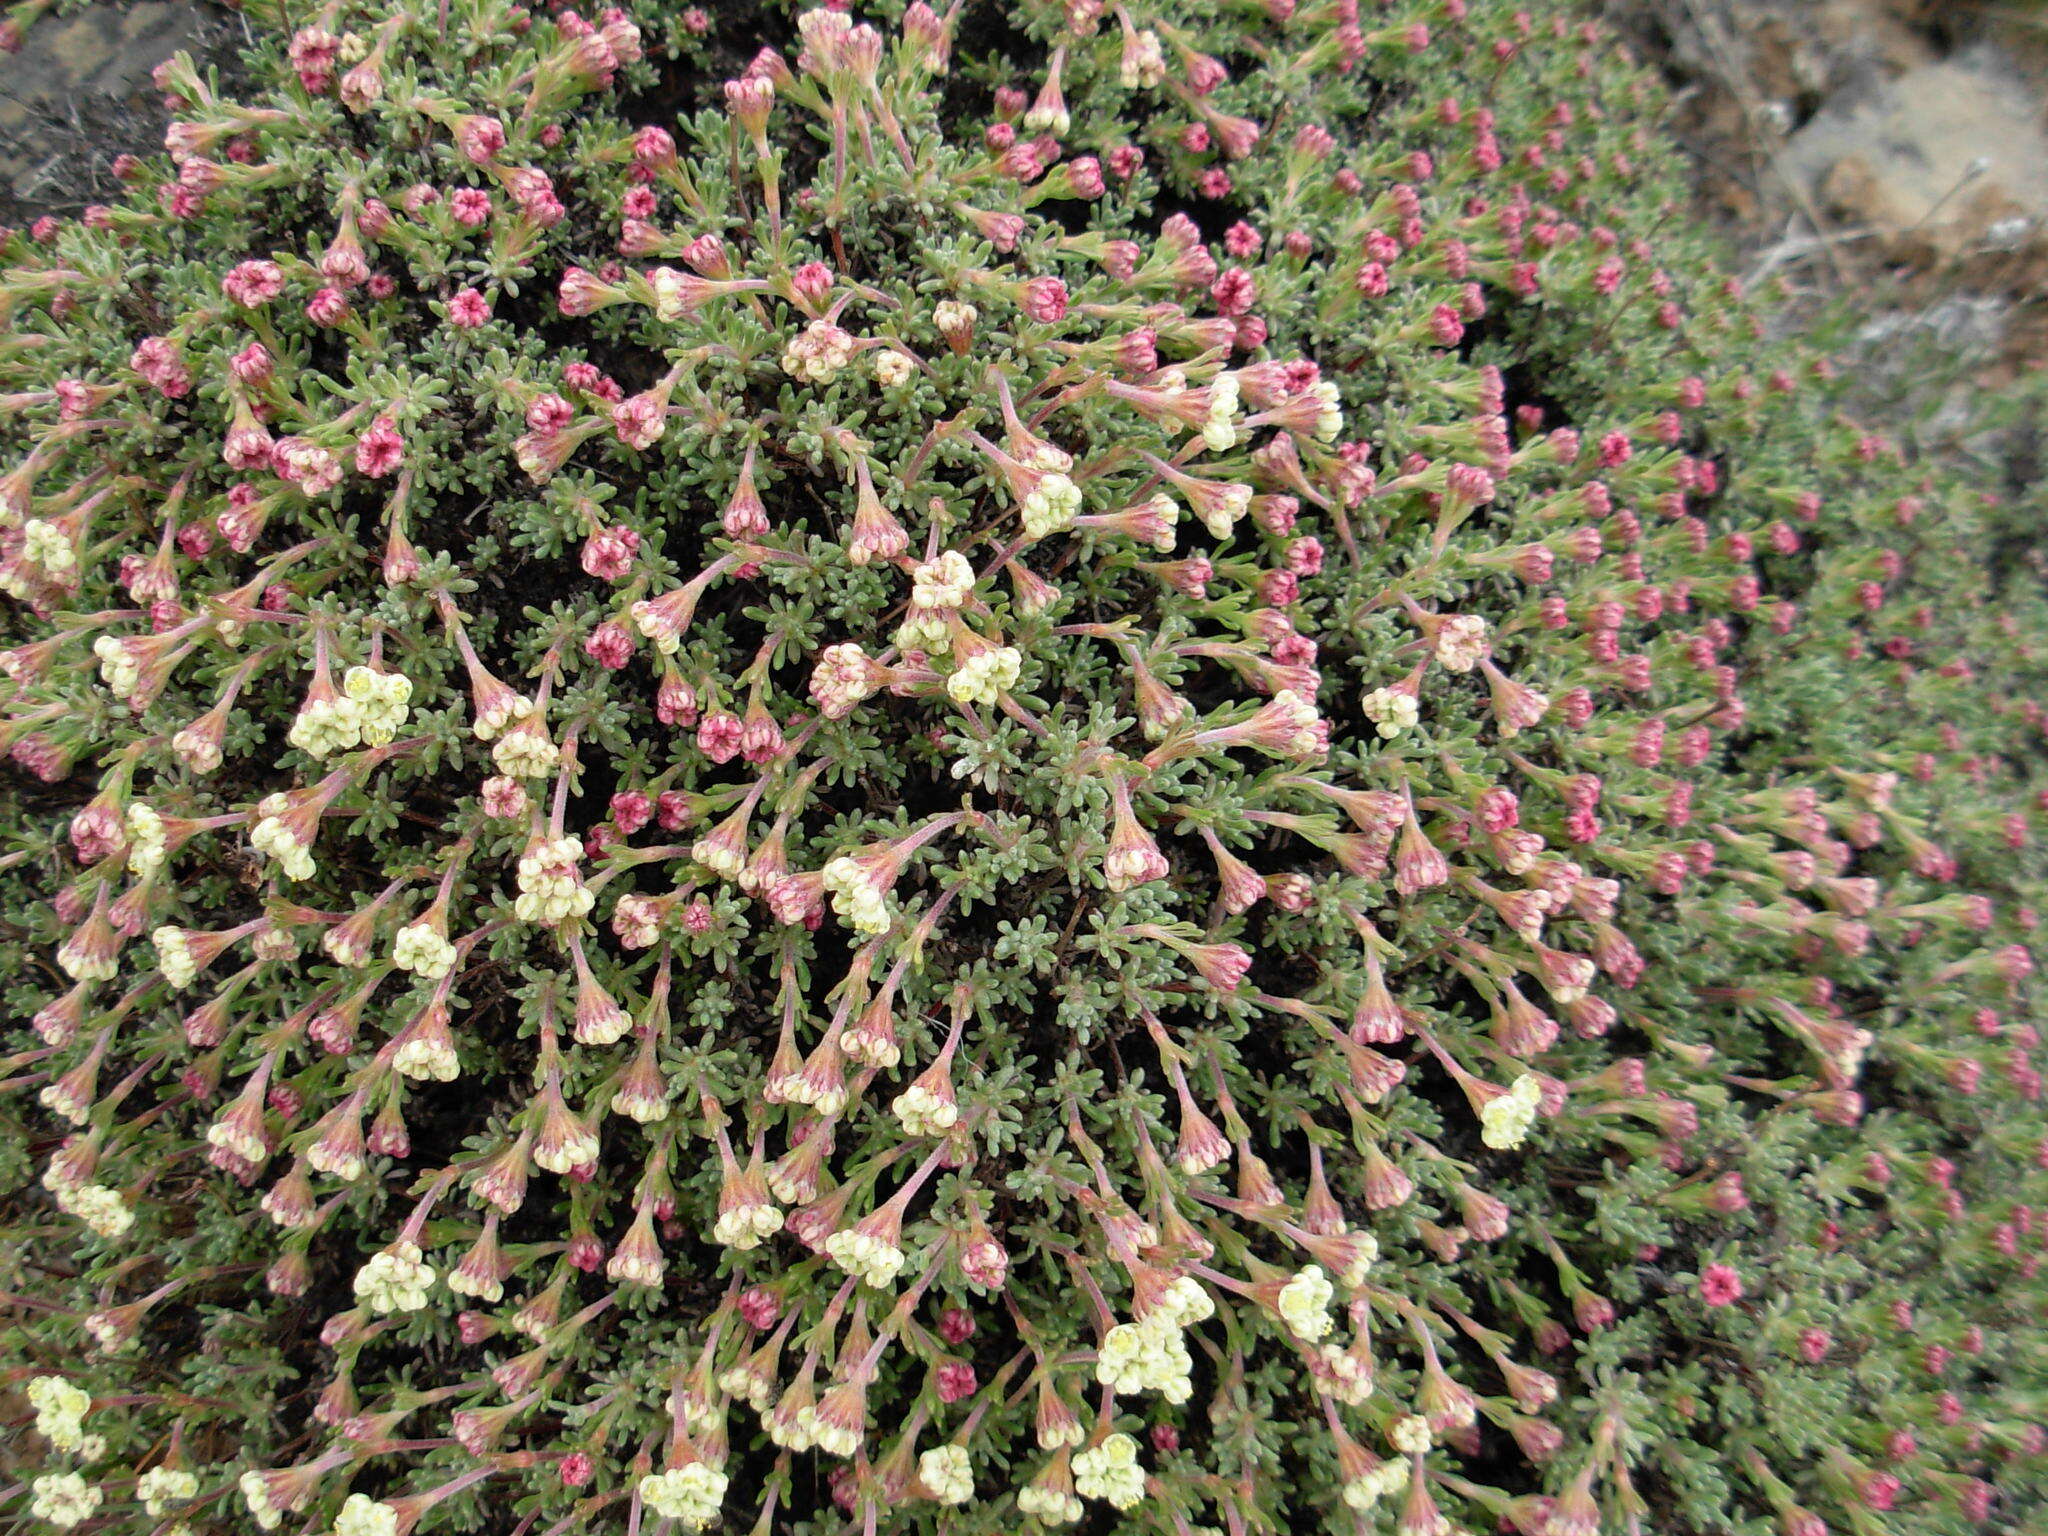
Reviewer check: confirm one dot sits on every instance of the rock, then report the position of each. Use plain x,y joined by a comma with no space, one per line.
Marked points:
1947,163
79,93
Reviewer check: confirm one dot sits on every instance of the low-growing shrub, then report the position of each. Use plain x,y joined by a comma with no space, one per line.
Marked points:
1130,764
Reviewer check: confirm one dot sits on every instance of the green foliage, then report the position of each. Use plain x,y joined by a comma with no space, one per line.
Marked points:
1053,765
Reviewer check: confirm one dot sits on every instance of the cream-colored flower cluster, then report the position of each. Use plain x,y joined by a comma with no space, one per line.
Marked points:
362,1515
369,709
1051,506
1110,1471
1304,1304
855,901
64,1499
102,1209
161,1487
690,1495
922,1112
1367,1489
865,1256
274,836
985,677
118,668
60,1407
395,1280
146,842
1391,710
424,952
551,888
819,354
842,678
746,1224
1505,1121
946,1474
174,957
1151,1354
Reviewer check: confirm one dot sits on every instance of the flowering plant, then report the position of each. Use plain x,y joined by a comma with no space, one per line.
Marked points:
1190,795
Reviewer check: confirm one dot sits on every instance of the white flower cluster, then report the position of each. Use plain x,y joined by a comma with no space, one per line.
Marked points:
819,354
422,951
276,838
60,1411
395,1280
924,1113
118,670
1050,1506
984,678
1162,513
107,1334
256,1494
337,1157
1051,506
524,752
566,1144
174,957
43,544
690,1495
654,624
745,1224
479,1281
362,1515
855,901
1304,1303
942,584
62,1096
197,747
232,1135
428,1057
1389,1477
641,1100
326,726
1151,1354
672,293
551,888
504,710
1410,1435
1461,642
99,1207
1504,1122
1330,416
945,1473
1110,1472
834,1437
892,368
723,855
954,318
868,1258
83,961
1367,1254
1219,431
1223,508
145,831
927,632
64,1499
161,1487
1144,61
370,708
796,1431
1391,710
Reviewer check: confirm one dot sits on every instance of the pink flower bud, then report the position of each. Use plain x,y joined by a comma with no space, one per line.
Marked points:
1045,300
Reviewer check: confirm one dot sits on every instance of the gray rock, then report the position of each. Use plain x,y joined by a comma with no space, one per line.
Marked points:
79,93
